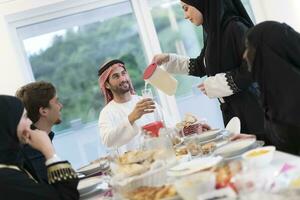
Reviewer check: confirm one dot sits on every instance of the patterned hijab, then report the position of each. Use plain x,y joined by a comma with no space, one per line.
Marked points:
103,73
11,112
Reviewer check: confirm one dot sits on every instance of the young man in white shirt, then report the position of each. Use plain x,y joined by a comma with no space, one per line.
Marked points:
124,114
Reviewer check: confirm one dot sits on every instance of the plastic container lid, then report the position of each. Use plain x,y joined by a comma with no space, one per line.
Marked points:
149,70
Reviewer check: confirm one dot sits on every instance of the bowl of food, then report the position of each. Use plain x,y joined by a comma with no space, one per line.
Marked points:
259,157
189,187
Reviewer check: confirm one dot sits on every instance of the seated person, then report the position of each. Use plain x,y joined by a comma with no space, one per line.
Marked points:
15,182
272,53
43,109
124,114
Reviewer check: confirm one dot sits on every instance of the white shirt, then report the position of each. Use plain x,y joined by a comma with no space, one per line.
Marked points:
115,128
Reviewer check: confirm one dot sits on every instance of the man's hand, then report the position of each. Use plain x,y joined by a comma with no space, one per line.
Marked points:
142,107
40,141
160,59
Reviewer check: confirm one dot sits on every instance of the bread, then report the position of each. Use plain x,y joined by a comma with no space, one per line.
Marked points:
136,157
152,193
133,169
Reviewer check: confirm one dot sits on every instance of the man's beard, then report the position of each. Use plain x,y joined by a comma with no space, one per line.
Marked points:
121,90
58,121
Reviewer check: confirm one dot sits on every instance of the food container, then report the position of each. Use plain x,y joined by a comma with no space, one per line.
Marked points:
259,157
189,187
154,177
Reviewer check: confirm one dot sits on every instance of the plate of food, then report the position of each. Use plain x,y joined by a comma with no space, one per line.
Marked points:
235,148
259,157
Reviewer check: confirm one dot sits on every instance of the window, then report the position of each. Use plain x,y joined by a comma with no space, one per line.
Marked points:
67,52
70,56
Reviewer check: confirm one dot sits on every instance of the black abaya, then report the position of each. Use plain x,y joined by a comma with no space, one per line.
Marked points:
225,24
15,182
276,67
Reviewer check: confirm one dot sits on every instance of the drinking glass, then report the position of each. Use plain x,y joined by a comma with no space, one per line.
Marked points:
147,93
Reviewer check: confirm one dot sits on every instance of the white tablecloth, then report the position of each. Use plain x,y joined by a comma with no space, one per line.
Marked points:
280,158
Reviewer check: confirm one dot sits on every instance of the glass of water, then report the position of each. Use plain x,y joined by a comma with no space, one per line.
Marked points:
147,93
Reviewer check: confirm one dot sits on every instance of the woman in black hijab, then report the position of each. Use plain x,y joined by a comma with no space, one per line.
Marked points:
15,182
224,25
273,56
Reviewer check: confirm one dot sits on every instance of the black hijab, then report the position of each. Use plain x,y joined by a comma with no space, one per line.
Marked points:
216,15
11,111
276,67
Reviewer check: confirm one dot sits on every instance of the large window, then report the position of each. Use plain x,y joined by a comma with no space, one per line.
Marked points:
67,51
69,54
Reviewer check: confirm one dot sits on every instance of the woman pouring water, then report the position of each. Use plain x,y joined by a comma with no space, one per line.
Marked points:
224,25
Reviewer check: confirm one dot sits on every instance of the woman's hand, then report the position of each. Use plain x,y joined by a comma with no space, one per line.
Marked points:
40,141
202,88
160,59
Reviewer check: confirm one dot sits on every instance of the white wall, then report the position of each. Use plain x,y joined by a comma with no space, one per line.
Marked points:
10,74
12,62
278,10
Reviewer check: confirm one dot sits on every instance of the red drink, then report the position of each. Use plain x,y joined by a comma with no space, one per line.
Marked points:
153,128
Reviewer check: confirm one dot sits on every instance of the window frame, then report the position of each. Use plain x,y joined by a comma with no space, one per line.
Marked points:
60,9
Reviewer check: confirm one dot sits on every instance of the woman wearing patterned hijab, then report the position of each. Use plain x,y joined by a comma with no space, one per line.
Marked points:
15,182
224,25
273,56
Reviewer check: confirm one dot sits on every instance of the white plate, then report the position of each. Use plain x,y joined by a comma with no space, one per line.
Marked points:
235,148
89,167
212,131
202,137
193,166
234,126
97,190
88,184
93,168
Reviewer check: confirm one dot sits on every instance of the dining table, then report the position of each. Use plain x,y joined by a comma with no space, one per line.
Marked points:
280,159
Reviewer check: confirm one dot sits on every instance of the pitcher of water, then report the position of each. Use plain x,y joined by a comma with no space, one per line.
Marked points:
160,79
